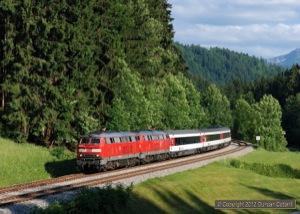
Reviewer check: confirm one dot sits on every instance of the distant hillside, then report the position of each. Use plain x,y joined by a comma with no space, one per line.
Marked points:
287,60
219,65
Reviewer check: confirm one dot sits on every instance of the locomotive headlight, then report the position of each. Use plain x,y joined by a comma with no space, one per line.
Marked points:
80,155
97,156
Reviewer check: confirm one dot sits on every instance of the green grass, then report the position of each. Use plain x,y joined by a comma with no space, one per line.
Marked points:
21,163
195,191
262,156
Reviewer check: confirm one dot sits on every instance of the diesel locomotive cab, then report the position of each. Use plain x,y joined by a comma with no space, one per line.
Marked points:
89,152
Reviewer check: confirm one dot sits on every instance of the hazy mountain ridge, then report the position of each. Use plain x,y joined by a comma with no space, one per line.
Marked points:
287,60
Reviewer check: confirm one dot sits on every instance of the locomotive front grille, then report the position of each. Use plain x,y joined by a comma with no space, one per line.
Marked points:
89,156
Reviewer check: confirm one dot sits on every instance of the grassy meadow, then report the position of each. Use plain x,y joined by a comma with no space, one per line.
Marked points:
21,163
195,191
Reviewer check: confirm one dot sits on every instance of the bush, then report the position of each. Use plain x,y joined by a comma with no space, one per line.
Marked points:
62,153
97,200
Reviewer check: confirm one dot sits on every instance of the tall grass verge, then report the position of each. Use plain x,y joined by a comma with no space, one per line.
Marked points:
274,170
21,163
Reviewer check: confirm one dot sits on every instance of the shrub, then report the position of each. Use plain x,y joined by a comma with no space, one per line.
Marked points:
96,200
58,152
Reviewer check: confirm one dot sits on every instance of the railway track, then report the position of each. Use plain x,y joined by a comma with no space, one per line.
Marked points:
29,191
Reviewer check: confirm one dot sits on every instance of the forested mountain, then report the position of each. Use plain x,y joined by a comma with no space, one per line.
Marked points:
220,65
287,60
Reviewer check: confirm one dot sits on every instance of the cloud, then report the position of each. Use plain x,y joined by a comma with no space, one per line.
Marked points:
243,38
235,11
264,28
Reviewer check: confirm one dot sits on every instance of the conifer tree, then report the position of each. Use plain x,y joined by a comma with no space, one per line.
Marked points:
291,119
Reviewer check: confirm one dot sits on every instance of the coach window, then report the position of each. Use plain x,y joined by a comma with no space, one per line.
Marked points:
213,137
226,135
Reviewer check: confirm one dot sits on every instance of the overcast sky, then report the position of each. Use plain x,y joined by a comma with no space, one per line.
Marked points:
264,28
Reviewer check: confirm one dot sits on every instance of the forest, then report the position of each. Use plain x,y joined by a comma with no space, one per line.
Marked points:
72,66
221,65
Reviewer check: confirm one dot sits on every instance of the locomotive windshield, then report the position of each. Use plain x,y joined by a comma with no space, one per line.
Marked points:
95,141
84,140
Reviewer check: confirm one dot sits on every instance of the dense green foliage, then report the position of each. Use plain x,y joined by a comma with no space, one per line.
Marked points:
220,65
263,119
70,67
218,107
50,64
280,108
291,118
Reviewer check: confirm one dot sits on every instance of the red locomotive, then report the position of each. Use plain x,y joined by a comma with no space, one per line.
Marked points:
105,150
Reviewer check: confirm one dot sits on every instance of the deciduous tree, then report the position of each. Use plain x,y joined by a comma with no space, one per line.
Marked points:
268,124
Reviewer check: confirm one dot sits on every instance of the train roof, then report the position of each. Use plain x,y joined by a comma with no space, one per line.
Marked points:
109,134
122,134
198,132
191,132
152,132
